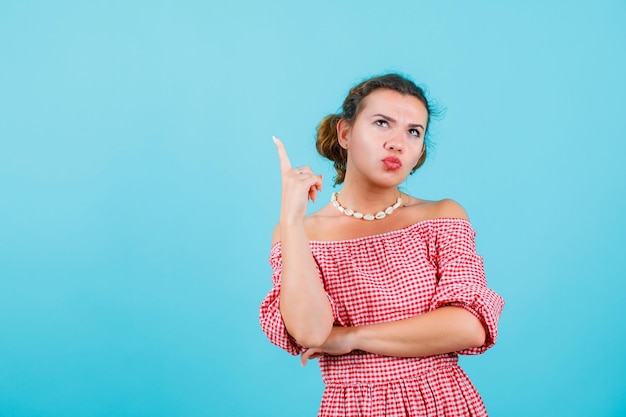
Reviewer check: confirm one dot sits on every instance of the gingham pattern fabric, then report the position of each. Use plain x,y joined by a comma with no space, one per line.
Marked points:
388,277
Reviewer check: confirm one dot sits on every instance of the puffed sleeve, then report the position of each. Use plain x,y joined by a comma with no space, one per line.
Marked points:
271,320
461,279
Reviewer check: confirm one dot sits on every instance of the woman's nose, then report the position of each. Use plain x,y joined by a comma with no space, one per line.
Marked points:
394,143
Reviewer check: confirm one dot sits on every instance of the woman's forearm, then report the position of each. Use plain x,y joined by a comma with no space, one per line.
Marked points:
304,305
446,329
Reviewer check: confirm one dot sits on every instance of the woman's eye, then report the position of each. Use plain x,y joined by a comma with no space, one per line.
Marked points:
382,123
414,132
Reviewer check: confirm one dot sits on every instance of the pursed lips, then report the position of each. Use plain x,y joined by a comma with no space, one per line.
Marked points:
392,163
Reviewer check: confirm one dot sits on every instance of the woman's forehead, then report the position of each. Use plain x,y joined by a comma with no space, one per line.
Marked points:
390,101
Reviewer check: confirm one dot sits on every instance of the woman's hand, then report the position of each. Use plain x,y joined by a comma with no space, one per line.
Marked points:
299,185
338,343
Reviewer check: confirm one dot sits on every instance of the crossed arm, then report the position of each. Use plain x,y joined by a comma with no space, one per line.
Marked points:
446,329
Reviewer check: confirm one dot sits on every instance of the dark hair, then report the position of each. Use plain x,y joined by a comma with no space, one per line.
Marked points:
327,142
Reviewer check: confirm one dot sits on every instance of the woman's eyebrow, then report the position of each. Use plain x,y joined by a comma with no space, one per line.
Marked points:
392,120
416,125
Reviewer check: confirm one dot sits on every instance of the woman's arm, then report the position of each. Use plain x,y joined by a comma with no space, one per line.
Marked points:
304,305
446,329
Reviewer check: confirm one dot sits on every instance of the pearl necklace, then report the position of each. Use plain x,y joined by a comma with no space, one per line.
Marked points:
357,215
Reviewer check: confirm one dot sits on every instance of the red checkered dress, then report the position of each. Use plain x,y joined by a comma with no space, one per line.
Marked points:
387,277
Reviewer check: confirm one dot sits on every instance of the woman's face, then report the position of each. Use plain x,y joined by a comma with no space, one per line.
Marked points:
387,138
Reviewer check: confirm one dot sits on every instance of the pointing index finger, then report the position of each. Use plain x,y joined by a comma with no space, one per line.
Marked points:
285,165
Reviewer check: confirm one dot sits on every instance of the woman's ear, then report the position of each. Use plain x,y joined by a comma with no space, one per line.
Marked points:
343,133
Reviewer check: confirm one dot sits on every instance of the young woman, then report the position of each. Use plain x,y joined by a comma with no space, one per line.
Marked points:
384,288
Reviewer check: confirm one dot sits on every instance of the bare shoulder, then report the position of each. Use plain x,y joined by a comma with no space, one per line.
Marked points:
448,208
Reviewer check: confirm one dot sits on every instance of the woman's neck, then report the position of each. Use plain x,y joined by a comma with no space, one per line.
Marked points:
367,200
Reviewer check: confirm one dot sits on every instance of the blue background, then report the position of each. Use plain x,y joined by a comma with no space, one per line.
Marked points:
139,187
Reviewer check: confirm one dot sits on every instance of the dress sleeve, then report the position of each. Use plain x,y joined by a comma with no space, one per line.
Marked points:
271,320
462,282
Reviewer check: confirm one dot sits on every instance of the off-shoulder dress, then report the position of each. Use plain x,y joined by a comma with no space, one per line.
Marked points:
387,277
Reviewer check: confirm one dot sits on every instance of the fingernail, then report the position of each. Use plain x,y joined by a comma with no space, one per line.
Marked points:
274,138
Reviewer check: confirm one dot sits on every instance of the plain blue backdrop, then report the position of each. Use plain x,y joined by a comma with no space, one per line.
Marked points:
139,187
